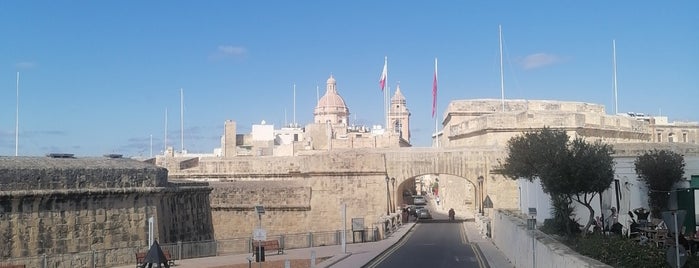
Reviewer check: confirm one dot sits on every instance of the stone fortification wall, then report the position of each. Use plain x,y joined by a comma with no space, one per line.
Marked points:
339,161
480,106
467,163
183,212
43,173
286,204
95,208
298,206
606,127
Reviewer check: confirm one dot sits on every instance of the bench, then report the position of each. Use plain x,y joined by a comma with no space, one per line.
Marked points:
269,245
141,257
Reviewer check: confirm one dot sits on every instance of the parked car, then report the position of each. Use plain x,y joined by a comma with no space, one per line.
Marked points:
414,210
424,213
419,200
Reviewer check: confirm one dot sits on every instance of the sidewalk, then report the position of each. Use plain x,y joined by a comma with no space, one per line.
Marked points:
356,255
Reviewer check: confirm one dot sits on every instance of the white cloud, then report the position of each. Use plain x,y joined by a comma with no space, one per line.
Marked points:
228,51
539,60
25,65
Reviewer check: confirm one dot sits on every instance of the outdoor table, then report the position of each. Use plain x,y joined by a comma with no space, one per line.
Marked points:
648,232
693,244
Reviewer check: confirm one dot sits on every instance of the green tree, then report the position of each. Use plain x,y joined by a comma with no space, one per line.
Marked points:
575,170
660,170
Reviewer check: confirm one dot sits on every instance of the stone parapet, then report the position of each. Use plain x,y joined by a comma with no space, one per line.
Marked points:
45,173
94,210
532,248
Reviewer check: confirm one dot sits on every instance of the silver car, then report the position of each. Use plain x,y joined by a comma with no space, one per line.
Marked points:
419,200
424,213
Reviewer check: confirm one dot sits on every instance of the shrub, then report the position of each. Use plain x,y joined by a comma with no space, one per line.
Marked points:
619,251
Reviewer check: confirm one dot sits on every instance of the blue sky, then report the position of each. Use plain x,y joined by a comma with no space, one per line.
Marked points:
97,76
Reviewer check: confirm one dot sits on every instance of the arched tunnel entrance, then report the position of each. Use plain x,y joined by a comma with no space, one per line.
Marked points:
455,192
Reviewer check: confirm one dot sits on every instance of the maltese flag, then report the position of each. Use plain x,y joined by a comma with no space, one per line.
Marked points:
384,74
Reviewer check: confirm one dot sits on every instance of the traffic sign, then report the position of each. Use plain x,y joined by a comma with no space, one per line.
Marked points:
259,234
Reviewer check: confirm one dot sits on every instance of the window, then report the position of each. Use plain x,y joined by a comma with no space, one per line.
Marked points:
670,137
684,137
660,137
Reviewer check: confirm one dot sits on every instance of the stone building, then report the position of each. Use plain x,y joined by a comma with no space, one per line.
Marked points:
484,122
399,116
329,130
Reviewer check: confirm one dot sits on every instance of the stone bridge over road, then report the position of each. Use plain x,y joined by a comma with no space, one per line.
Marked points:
308,190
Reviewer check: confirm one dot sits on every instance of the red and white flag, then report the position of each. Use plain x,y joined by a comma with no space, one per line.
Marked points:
434,88
384,74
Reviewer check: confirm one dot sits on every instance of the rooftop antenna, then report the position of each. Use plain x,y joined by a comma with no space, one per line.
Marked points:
294,104
17,120
502,76
182,119
151,145
616,104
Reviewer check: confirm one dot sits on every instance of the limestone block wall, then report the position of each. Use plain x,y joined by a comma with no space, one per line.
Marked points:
184,213
232,203
311,204
467,163
44,173
95,208
348,161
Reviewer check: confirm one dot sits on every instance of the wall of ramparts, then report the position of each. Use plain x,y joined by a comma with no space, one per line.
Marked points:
93,210
295,206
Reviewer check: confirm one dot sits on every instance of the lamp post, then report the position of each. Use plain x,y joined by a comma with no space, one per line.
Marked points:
388,198
480,194
393,182
259,209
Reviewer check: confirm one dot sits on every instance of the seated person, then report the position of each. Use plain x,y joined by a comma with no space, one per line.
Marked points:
616,228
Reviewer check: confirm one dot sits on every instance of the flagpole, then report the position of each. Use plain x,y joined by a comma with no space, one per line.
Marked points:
385,93
502,76
434,104
294,104
182,120
616,104
17,120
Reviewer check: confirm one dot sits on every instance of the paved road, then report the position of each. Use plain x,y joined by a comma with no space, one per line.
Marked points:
433,244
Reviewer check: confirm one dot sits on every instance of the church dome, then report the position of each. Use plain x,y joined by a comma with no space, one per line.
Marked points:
331,107
331,100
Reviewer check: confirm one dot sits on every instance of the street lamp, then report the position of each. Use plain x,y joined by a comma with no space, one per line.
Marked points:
480,194
393,182
388,198
260,234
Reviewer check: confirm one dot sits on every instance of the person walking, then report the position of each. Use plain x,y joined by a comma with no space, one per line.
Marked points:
437,199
